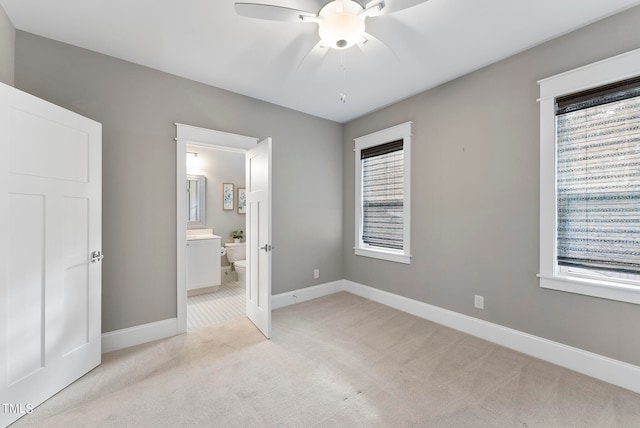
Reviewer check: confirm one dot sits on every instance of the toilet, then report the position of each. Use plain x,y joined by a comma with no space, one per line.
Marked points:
241,268
237,254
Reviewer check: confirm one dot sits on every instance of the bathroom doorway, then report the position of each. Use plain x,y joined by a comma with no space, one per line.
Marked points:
215,209
260,285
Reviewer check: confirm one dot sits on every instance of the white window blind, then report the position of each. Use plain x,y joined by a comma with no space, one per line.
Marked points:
383,195
598,178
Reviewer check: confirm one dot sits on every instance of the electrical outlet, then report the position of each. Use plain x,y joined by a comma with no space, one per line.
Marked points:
316,273
478,301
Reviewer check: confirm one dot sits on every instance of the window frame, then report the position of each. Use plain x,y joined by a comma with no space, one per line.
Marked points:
551,276
394,133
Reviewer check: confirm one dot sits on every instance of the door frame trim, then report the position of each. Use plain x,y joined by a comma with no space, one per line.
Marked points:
188,134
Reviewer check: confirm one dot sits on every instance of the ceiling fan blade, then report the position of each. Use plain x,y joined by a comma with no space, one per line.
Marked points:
315,54
371,45
397,5
271,12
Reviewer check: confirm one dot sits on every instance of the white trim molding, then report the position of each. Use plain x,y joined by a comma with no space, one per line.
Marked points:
214,138
126,337
607,369
303,294
600,367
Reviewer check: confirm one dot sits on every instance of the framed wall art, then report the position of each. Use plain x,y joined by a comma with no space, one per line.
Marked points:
227,196
242,201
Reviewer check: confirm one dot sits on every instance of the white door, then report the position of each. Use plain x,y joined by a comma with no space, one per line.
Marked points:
258,192
50,223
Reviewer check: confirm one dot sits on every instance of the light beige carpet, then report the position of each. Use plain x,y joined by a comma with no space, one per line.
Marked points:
338,361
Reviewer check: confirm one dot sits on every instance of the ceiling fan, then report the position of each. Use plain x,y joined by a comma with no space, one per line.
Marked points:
341,23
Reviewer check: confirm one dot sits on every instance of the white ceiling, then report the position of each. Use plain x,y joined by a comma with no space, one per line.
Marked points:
204,40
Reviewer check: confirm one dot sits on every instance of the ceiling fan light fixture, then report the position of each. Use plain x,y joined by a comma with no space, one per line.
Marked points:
341,30
341,24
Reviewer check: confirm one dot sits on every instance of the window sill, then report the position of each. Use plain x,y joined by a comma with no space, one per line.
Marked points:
592,287
383,255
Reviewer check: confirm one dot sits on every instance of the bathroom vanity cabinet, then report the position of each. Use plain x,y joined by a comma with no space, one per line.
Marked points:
203,264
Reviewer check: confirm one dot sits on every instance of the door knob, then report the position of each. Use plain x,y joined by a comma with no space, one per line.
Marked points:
96,256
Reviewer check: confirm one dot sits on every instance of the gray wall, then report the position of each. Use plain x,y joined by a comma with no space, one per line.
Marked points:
7,48
475,196
138,107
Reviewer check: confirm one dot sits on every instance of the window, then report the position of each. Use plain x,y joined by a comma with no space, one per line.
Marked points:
382,194
590,180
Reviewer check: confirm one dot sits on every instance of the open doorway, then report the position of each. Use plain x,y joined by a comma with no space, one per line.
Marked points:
210,140
216,210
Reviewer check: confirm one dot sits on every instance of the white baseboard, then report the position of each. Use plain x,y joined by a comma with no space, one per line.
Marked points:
291,297
607,369
600,367
120,339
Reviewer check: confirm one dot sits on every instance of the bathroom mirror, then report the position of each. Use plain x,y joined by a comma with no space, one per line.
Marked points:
195,200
